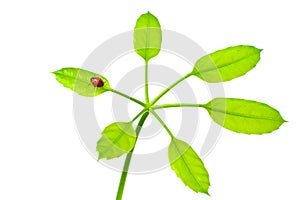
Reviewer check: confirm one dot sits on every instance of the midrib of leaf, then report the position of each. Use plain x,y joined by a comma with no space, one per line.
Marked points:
228,65
147,39
240,115
186,165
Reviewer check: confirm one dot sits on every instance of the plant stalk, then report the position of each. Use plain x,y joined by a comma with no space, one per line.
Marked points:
128,159
146,83
162,123
173,105
127,96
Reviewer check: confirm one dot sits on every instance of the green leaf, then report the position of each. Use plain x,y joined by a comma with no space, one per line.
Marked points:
244,116
227,64
79,80
147,36
117,139
188,166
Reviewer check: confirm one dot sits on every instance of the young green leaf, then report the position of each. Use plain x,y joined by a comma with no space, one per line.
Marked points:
244,116
147,36
117,139
188,166
79,80
227,64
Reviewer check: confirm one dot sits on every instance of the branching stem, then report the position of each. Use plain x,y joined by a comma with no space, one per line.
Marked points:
169,88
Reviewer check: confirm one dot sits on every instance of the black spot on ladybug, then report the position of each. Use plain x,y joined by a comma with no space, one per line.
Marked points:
97,82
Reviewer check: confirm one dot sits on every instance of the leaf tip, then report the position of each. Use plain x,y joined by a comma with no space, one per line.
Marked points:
203,191
283,120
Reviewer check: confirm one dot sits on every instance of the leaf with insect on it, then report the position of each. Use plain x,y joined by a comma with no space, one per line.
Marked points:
79,80
244,116
227,64
188,166
117,139
147,36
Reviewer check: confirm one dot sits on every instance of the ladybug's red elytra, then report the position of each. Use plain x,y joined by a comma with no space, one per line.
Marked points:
97,82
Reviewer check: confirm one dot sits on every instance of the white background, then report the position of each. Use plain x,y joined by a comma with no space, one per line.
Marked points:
41,154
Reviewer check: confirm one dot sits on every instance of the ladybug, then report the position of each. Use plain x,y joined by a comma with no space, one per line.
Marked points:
97,82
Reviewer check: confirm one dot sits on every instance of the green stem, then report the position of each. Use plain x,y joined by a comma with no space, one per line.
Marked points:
162,123
128,159
169,88
146,83
127,96
173,105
